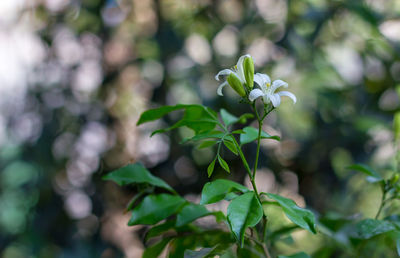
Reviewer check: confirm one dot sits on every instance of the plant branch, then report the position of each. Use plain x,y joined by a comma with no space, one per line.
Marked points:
383,202
247,167
260,122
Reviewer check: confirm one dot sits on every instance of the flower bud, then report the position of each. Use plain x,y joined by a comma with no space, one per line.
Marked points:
248,69
236,84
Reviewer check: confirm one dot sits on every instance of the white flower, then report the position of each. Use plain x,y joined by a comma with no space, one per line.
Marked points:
238,70
267,91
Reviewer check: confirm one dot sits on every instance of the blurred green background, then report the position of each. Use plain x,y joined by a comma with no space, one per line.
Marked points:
76,74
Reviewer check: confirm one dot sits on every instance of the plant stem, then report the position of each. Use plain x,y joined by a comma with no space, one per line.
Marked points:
383,202
265,249
260,122
247,167
252,175
264,229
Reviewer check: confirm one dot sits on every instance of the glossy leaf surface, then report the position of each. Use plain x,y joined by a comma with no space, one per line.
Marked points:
299,216
244,211
155,208
135,174
217,190
250,134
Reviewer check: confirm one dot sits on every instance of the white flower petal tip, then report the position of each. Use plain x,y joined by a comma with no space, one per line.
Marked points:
222,73
220,87
288,94
277,84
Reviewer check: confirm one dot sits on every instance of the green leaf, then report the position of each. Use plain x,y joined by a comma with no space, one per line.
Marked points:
205,135
156,249
223,164
282,232
191,212
217,190
397,239
155,208
299,216
373,176
157,113
296,255
231,146
240,131
251,134
206,144
217,239
196,117
228,254
132,202
227,117
136,174
250,250
398,246
214,251
244,211
160,229
198,254
368,228
210,168
179,245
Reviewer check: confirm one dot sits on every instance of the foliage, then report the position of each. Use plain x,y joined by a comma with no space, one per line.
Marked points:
76,76
245,210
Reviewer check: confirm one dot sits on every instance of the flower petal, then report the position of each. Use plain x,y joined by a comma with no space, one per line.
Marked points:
240,69
241,59
275,99
277,84
254,94
288,94
262,79
223,73
220,87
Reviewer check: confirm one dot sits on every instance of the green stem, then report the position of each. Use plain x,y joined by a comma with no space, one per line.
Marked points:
383,202
264,229
260,122
247,167
265,249
252,175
